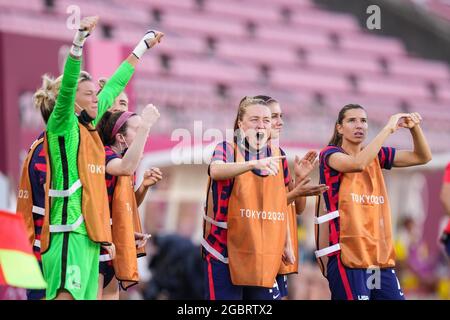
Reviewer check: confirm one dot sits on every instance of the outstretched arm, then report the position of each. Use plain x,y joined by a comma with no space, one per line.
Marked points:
119,80
347,163
421,153
301,190
220,170
62,116
130,161
150,39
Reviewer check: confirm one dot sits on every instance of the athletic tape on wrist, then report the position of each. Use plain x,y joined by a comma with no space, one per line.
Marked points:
78,42
80,37
76,50
142,45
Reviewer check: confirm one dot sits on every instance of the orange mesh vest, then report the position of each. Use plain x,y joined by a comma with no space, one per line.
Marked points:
94,207
125,217
291,268
256,227
257,212
365,237
25,205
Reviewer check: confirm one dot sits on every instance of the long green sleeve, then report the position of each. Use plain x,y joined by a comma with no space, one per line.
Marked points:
62,117
63,136
114,86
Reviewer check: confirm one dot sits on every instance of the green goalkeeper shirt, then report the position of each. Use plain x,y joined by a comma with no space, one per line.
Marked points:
63,136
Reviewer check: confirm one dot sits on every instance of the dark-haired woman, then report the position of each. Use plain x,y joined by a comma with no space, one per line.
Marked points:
124,135
359,256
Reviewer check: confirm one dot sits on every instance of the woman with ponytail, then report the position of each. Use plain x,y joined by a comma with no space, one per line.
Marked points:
31,206
297,191
357,254
120,103
245,227
70,227
71,145
124,135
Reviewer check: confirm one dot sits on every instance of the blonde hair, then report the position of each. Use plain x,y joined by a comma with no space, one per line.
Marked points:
45,97
243,105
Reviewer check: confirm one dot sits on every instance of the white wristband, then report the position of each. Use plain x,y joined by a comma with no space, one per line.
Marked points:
142,45
80,37
76,50
78,42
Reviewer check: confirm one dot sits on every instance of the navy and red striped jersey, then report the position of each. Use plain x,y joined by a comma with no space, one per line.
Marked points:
111,182
110,186
37,171
221,191
110,179
447,180
332,178
447,174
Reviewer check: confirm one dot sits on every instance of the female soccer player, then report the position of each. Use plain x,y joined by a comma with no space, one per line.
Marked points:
445,199
246,212
77,162
119,130
360,252
302,168
121,102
